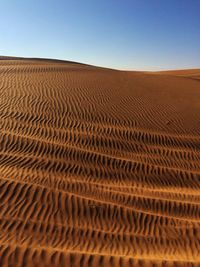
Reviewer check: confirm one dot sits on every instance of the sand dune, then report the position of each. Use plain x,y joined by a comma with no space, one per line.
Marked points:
98,167
190,73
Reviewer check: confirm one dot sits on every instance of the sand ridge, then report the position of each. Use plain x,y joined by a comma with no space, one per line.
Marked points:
98,167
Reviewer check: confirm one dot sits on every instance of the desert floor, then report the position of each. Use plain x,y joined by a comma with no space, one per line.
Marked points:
98,167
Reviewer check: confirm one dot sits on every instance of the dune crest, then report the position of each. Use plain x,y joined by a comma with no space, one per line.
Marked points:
98,167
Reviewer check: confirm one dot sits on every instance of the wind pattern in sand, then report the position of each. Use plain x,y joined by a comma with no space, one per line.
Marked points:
98,167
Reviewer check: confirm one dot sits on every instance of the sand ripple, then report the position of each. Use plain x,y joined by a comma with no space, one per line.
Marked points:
98,167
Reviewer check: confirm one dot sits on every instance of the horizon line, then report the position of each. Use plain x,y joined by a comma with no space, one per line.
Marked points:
59,60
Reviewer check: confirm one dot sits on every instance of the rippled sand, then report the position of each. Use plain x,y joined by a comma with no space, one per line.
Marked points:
98,167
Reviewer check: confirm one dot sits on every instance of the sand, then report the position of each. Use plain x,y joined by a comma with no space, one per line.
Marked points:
98,167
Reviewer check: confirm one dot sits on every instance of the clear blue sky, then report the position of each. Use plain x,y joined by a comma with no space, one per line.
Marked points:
124,34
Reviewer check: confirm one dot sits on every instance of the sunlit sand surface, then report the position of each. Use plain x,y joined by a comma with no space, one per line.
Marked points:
98,167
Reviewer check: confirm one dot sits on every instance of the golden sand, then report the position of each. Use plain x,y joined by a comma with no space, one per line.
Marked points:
98,167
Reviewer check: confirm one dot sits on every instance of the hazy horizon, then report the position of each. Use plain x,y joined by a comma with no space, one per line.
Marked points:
133,35
101,66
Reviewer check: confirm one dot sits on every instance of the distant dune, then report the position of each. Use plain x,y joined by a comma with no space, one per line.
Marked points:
191,73
98,167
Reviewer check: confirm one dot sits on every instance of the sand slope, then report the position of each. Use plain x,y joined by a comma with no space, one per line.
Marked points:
98,167
192,73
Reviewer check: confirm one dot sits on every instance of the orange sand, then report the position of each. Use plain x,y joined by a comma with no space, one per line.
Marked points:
98,167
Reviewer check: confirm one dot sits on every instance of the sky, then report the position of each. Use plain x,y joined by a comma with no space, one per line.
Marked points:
121,34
